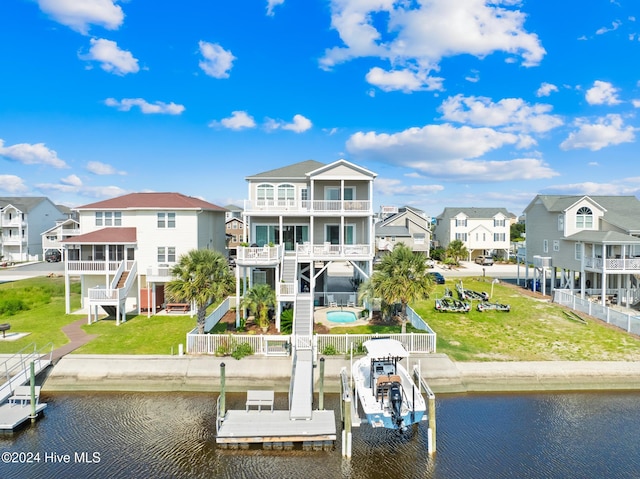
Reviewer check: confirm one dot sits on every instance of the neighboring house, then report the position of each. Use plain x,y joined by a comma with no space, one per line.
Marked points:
22,220
235,234
53,237
484,231
410,226
128,244
588,243
233,211
312,239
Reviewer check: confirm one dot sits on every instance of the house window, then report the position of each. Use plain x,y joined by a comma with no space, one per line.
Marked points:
578,247
584,218
264,194
286,194
545,246
166,220
462,222
234,239
556,245
99,221
304,196
499,237
166,254
498,222
108,218
234,225
98,252
461,236
418,238
171,254
560,222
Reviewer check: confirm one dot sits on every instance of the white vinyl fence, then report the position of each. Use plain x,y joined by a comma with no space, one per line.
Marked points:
630,322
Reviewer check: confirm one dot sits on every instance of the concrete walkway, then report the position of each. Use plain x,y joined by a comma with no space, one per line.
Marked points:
77,337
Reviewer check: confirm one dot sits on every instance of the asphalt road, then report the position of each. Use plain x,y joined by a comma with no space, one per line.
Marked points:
30,270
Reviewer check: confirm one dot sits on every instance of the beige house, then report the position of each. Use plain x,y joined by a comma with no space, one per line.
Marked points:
311,230
587,243
484,231
408,225
126,246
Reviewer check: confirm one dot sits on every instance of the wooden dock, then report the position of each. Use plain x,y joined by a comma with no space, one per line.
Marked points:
274,429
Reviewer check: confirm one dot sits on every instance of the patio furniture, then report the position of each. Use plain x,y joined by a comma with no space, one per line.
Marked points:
332,301
351,301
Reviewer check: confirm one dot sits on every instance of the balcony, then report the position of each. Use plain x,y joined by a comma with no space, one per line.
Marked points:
160,273
327,252
98,267
259,255
613,265
306,207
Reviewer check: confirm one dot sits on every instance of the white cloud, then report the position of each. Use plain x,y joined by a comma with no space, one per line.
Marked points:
417,35
606,131
509,113
31,154
73,184
403,80
447,152
147,108
112,58
237,121
271,4
623,186
391,187
546,89
298,125
635,103
614,26
602,93
79,14
12,184
99,168
217,61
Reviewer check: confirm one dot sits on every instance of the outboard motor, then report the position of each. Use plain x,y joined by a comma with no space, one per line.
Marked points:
395,399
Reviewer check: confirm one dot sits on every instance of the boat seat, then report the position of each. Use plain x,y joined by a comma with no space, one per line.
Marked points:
386,380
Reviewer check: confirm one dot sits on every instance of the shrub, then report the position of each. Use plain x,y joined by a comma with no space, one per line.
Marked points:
329,350
242,350
11,306
286,321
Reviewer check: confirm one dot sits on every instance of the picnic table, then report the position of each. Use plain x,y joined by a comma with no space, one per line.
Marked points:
181,307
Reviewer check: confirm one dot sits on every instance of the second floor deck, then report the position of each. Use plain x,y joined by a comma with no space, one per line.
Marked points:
309,207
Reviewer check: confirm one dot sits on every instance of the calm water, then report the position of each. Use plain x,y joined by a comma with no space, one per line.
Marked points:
480,436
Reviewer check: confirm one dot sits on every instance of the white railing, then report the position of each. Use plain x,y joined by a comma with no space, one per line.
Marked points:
93,266
627,321
308,206
287,289
259,254
100,293
116,276
333,250
613,264
159,274
334,343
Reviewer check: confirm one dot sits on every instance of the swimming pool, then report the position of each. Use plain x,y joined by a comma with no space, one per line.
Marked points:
341,316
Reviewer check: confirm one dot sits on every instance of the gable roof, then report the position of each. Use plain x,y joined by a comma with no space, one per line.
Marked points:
478,213
295,171
107,236
134,201
620,211
23,203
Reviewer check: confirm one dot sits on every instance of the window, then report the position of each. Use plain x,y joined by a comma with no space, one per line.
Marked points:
545,246
108,218
584,218
286,194
461,236
264,194
556,245
462,222
161,254
166,220
560,222
171,254
578,247
498,222
418,238
499,237
234,225
166,254
99,221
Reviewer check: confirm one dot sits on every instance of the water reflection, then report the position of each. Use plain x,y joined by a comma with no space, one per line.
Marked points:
479,436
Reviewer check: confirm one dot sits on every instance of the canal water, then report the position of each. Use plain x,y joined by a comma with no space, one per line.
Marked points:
172,435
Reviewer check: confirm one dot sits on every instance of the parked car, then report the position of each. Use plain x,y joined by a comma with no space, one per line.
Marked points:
437,277
53,256
485,260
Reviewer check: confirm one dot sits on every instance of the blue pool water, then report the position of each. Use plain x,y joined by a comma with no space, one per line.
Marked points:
341,316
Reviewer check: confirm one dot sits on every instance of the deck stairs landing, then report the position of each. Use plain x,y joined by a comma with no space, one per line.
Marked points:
289,269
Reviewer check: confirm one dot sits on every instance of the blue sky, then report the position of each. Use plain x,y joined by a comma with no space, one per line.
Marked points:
451,102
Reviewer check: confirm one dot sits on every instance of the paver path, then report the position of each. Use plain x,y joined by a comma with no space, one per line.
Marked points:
77,337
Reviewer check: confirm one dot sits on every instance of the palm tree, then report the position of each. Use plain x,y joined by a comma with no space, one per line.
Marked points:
457,250
401,277
258,300
201,276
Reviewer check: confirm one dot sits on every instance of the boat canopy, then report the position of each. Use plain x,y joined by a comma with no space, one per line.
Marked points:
385,348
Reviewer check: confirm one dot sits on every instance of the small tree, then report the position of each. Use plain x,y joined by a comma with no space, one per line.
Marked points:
201,276
457,250
258,300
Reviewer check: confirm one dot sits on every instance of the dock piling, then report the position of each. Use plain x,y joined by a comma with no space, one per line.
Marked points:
32,383
321,386
222,390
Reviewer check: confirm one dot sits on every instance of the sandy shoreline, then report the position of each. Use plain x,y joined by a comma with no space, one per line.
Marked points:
77,372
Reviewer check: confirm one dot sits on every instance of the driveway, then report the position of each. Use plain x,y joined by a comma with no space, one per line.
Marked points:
30,270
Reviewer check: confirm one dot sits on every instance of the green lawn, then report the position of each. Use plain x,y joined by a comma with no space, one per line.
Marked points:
535,329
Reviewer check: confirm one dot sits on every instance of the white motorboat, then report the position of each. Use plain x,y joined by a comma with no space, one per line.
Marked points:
385,390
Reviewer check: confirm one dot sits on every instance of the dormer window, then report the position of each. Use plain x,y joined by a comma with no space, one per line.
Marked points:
584,218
